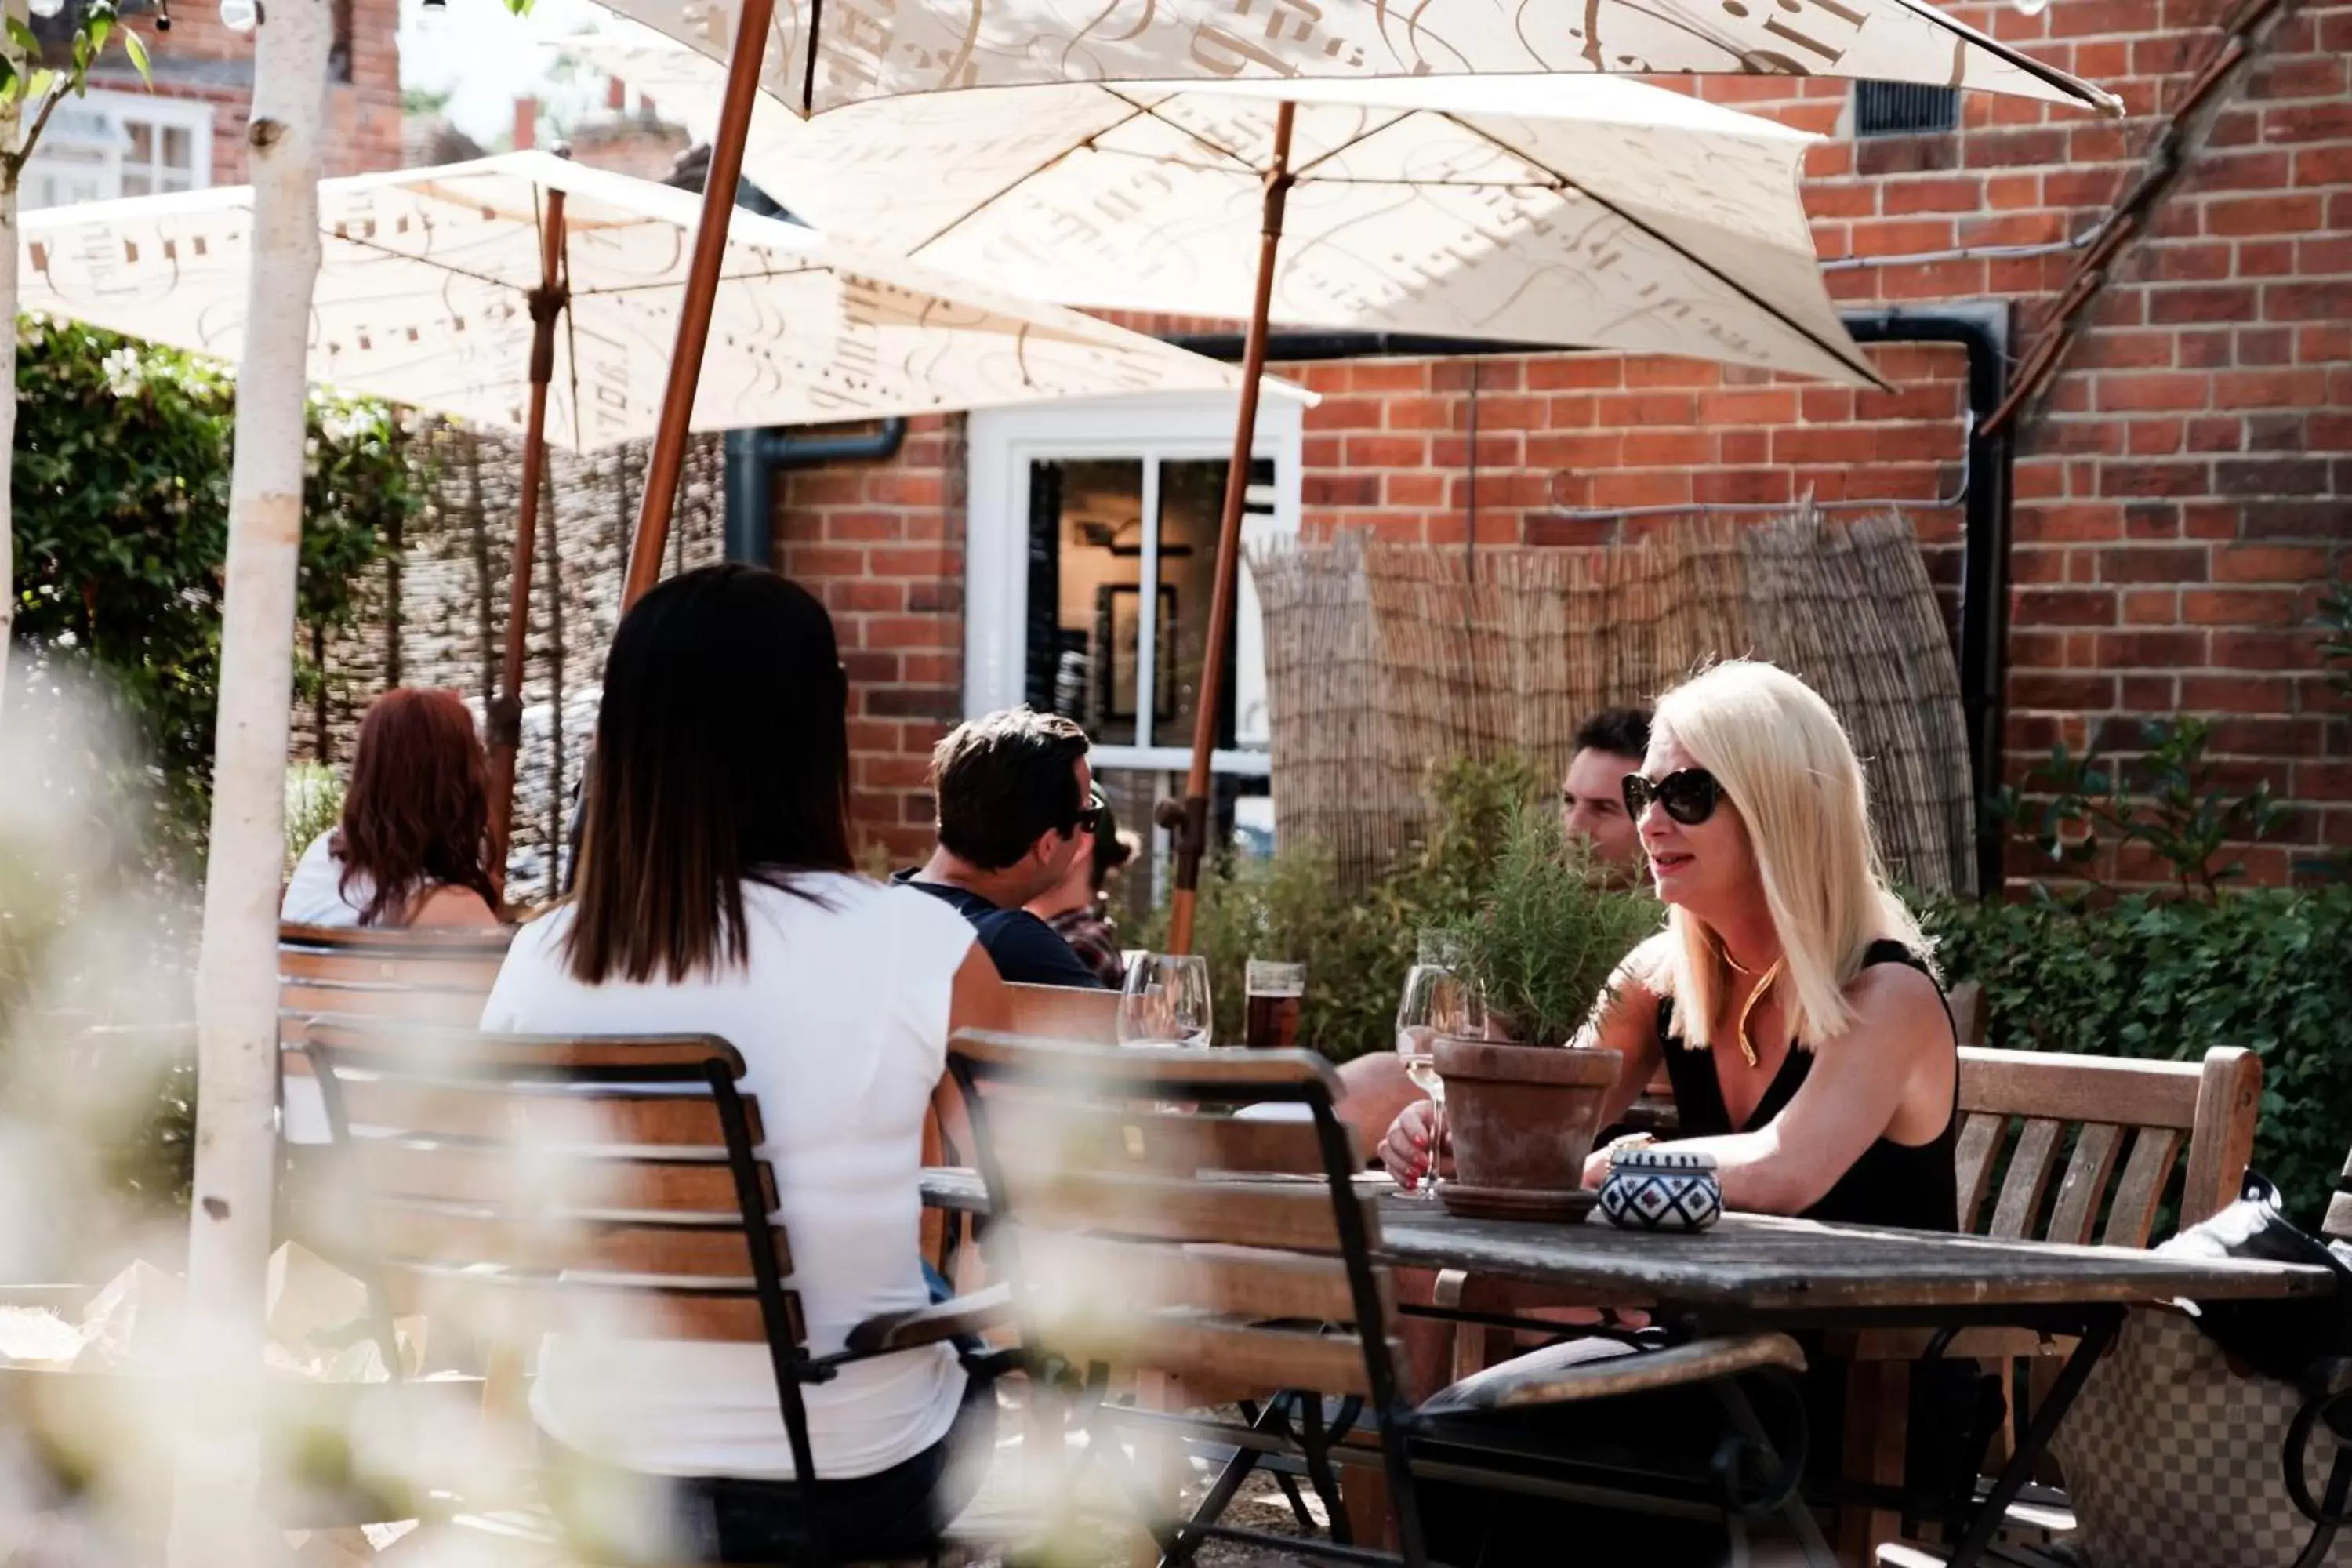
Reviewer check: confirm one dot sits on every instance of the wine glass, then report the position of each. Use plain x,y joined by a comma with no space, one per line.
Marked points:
1437,1001
1165,1001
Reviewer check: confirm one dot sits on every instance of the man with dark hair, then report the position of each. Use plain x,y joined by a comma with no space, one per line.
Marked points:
1609,746
1015,793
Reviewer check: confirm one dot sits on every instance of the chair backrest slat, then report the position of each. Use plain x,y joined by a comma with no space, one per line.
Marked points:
1243,1282
2030,1164
519,1178
1143,1228
414,1232
1979,1139
2088,1171
1065,1013
2131,1219
2115,1126
1152,1142
536,1113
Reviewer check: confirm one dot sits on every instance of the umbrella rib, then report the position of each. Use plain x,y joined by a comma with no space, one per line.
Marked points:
571,342
1135,111
1671,244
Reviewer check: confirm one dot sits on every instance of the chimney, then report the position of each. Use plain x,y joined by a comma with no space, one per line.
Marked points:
526,123
616,95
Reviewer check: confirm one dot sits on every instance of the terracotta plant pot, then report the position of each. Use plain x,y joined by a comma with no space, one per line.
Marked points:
1523,1117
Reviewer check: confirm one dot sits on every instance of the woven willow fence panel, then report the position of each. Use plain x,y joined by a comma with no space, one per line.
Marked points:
438,617
1381,658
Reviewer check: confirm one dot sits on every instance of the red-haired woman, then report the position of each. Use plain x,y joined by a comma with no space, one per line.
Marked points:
414,847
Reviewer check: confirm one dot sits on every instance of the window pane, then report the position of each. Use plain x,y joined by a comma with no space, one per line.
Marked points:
137,184
1192,504
176,180
1086,547
179,150
142,140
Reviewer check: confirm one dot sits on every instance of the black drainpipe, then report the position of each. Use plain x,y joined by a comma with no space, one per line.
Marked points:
1982,329
754,456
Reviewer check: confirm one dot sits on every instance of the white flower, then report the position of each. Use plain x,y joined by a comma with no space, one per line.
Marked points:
31,329
124,376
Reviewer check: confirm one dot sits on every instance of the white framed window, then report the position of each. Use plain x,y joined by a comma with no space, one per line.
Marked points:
1074,509
107,144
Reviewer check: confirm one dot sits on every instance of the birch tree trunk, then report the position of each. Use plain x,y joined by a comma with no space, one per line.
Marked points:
214,1515
12,127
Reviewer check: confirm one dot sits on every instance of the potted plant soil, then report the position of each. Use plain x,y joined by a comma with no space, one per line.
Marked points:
1523,1104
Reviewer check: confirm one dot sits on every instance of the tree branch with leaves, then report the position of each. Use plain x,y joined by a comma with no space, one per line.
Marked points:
24,78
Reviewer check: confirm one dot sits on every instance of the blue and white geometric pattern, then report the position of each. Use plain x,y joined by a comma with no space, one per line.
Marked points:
1662,1189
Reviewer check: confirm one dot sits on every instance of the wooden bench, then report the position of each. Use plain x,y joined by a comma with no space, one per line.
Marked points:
2085,1150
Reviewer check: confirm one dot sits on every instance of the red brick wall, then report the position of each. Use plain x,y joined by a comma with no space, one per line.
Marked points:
363,111
883,544
2180,490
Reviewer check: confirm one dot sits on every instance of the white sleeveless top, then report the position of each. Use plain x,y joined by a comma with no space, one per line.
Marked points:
842,1017
314,893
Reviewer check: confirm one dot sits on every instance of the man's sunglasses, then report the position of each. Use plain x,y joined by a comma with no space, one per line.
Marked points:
1688,795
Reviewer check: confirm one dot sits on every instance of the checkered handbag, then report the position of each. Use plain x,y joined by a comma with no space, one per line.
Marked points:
2174,1459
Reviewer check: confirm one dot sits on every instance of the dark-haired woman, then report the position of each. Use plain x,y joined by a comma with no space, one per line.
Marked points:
414,845
717,895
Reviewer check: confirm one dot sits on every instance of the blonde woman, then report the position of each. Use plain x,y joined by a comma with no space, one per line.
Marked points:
1788,997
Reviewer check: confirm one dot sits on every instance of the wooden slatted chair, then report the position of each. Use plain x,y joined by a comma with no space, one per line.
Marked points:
2083,1150
1040,1011
1144,1231
435,978
512,1185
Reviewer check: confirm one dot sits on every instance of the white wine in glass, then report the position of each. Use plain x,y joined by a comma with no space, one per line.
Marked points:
1437,1001
1166,1001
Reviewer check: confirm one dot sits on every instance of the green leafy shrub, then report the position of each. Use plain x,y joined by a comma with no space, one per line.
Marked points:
1547,934
2166,975
314,802
1356,944
120,498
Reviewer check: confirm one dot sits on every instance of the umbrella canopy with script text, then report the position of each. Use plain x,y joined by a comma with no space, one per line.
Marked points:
880,48
1584,211
534,294
424,298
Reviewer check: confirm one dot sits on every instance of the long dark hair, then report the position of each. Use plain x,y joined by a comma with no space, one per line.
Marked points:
722,756
417,815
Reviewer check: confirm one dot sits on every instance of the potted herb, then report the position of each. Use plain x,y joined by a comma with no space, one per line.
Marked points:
1523,1104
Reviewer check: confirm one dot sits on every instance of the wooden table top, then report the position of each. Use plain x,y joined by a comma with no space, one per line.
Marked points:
1757,1263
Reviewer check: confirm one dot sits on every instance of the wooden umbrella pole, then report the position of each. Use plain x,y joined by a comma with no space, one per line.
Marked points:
702,289
547,305
1191,824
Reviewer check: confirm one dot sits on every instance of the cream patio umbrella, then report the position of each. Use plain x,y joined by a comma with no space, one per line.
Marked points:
1584,211
534,294
814,59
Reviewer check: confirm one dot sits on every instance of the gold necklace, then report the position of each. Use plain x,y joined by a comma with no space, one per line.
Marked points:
1763,985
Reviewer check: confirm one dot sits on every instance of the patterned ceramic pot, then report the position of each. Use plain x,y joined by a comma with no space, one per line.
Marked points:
1662,1188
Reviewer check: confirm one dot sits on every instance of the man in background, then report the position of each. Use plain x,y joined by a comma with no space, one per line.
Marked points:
1609,746
1015,809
